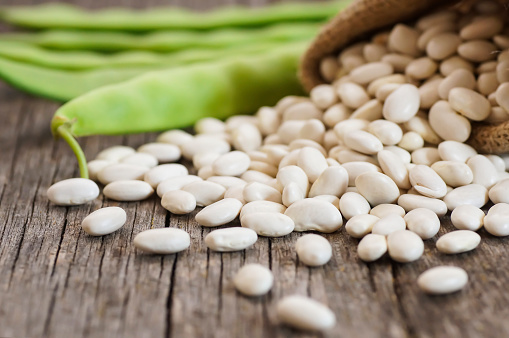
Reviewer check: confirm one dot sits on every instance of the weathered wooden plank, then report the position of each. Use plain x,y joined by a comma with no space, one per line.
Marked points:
56,281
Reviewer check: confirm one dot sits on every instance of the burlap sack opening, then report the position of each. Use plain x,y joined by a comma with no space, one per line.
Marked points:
364,17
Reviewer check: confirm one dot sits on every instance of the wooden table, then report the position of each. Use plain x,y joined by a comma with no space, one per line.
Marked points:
56,281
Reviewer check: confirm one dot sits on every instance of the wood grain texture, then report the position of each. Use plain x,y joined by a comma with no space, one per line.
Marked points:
56,281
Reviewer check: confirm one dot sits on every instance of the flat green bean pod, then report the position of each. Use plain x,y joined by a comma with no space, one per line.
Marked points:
178,97
164,41
51,16
62,85
81,60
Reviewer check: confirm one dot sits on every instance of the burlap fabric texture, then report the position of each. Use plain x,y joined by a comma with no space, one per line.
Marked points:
365,17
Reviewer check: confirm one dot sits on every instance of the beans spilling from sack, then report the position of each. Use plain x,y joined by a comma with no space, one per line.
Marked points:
381,147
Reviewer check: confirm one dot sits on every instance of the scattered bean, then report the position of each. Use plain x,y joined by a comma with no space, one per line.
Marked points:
442,280
162,241
104,221
305,313
230,239
73,191
313,250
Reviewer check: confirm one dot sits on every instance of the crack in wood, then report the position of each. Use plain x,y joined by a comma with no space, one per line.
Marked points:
169,300
371,275
50,312
53,268
220,290
399,300
22,237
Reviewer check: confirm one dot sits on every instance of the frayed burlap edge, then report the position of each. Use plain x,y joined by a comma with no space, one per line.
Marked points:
367,16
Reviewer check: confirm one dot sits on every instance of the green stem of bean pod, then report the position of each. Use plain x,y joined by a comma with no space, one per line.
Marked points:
64,132
166,41
179,97
50,16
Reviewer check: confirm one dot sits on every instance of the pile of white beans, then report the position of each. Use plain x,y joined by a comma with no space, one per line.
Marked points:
381,147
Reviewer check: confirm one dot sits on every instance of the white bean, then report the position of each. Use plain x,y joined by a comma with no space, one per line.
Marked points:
454,173
95,166
458,241
128,190
143,159
442,280
455,151
233,163
393,166
360,225
115,153
313,250
209,125
73,191
262,206
473,194
363,142
256,191
205,192
389,133
382,210
219,213
467,217
402,104
292,193
483,170
175,136
178,202
104,221
372,247
356,168
423,222
405,246
204,143
253,280
164,152
312,162
162,241
469,103
332,181
246,137
411,202
268,224
175,183
230,239
499,193
305,313
377,188
314,214
121,171
163,172
496,221
427,182
352,204
388,224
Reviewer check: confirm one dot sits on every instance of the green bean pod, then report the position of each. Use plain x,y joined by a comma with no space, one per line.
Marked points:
50,16
62,85
165,41
179,97
85,60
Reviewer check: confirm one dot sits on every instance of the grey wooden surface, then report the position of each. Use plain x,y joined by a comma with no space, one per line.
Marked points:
56,281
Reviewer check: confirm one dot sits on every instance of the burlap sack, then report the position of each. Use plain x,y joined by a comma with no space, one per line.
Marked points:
364,17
